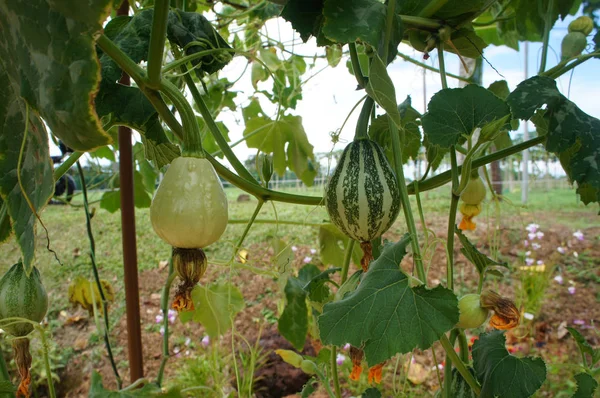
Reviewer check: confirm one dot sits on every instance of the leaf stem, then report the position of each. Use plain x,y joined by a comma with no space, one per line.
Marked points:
453,359
442,63
347,260
420,22
406,208
164,304
334,373
451,222
463,346
562,67
88,221
432,7
546,39
214,129
157,43
51,391
391,7
362,82
66,165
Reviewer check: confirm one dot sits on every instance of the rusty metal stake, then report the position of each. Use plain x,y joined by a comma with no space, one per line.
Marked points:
132,299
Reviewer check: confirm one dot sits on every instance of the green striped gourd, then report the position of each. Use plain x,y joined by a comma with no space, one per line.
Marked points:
362,197
24,297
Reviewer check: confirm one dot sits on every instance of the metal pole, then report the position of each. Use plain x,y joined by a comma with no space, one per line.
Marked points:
525,182
132,299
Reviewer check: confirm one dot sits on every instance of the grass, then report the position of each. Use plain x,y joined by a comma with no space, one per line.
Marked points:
68,237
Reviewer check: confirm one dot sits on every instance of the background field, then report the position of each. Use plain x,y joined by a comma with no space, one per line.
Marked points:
77,347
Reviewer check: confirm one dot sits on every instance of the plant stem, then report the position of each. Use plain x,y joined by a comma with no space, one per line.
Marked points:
164,304
442,65
259,206
443,178
4,376
453,359
363,119
51,391
388,29
451,222
272,221
157,42
362,82
347,260
406,208
66,165
334,372
214,129
432,8
131,68
562,67
420,22
88,220
464,347
547,28
431,68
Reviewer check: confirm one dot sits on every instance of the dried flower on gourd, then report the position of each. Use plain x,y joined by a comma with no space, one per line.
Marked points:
190,265
356,355
375,373
506,315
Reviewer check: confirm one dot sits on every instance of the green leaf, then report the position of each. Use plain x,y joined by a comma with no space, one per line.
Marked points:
5,227
305,16
37,173
571,132
333,244
585,347
410,141
308,388
47,50
7,387
215,306
459,387
478,259
381,89
371,393
272,137
454,113
208,140
111,200
363,61
586,386
349,21
504,375
384,315
317,290
97,390
258,74
466,43
158,148
293,323
500,88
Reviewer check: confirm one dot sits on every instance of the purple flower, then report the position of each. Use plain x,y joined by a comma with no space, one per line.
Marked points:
571,289
346,347
532,228
579,322
526,242
531,235
162,330
528,253
159,318
561,250
535,246
172,315
529,261
205,341
313,251
578,235
559,279
340,359
307,260
539,235
540,262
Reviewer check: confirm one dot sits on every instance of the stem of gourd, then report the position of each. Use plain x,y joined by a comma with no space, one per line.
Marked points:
546,39
406,208
157,42
431,68
362,82
164,303
463,346
451,222
363,119
442,65
565,66
453,359
347,259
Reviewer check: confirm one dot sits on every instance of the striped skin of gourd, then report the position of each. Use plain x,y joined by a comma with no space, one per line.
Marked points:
24,297
362,197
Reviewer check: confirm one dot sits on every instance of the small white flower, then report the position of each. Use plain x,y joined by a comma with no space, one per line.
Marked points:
535,246
162,330
313,251
526,243
529,261
528,253
307,260
561,250
578,235
346,346
539,234
559,279
528,316
532,228
205,341
531,235
188,341
294,248
571,289
340,359
576,254
540,262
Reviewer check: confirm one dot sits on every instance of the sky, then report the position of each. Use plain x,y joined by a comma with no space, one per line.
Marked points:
330,94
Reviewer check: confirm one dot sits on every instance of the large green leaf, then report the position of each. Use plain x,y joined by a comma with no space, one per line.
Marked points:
454,113
586,386
466,43
585,347
504,375
111,200
36,167
272,136
47,50
410,138
305,16
215,306
572,134
333,244
5,227
293,323
386,316
349,21
478,259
